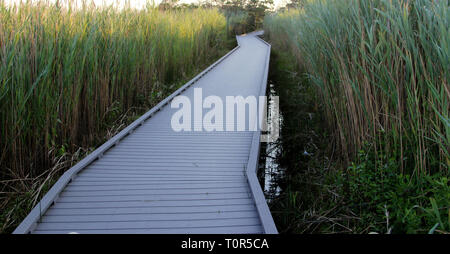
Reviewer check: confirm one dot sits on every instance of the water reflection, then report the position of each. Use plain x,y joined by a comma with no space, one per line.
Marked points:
269,169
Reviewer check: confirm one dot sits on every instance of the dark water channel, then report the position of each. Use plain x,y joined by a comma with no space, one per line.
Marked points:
301,143
270,171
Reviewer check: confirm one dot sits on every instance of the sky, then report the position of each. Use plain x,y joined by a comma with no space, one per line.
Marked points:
134,3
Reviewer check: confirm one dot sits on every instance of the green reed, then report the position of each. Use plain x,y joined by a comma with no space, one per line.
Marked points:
382,69
62,70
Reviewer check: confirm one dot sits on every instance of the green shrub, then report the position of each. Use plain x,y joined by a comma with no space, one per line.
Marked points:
393,202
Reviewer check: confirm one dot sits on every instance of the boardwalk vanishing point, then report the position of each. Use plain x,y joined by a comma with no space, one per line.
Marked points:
151,179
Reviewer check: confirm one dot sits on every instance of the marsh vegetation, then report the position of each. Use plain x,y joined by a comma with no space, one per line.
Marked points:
363,89
375,76
70,78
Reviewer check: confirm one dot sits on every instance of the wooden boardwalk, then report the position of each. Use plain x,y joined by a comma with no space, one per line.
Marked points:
150,179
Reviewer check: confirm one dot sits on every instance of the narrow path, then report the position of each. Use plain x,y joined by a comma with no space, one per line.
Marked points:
151,179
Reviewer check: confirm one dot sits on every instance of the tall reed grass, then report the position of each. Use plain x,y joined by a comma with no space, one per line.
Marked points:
64,71
237,22
381,68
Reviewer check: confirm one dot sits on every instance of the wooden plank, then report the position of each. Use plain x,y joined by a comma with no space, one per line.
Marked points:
153,197
146,186
164,157
127,173
152,182
167,155
251,214
169,133
156,203
143,169
248,229
157,178
152,210
185,187
181,145
132,163
171,166
193,151
148,224
188,138
163,192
